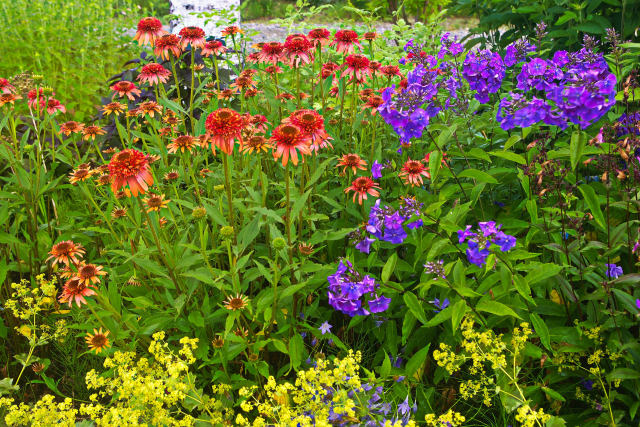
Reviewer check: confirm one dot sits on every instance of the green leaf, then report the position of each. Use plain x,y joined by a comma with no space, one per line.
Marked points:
591,199
576,147
296,346
508,155
389,266
249,232
494,307
478,175
416,361
415,306
542,331
623,374
458,311
300,203
385,369
195,317
435,162
553,394
555,422
511,142
542,272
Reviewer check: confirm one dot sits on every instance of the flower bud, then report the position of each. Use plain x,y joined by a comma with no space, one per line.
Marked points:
278,243
199,212
226,231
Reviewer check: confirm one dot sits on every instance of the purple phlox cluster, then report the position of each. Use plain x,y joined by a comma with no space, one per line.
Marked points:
388,224
577,87
484,71
360,240
613,271
349,291
440,305
449,47
517,52
480,240
436,268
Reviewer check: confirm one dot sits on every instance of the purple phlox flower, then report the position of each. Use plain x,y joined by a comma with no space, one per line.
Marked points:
465,234
449,46
364,245
488,228
517,52
404,407
638,303
440,305
348,289
613,271
379,304
477,255
376,170
504,241
484,71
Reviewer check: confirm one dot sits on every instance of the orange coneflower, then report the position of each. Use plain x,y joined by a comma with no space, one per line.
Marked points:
149,29
241,332
89,273
413,171
259,123
224,126
256,143
150,108
181,143
289,139
104,180
363,186
54,105
65,252
172,175
70,127
251,92
8,98
155,202
80,174
213,47
153,74
171,119
117,213
98,341
75,290
204,141
204,172
133,112
352,161
345,41
130,167
312,124
239,302
284,97
167,45
358,66
125,88
370,36
217,342
373,102
193,36
90,132
319,36
243,83
271,52
6,87
297,49
365,93
231,31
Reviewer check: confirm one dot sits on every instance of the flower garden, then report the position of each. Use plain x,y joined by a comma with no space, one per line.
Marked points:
339,228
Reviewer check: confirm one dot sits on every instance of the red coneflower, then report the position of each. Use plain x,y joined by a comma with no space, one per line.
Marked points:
390,71
334,91
155,202
252,58
130,167
149,29
79,174
297,49
256,143
413,171
213,47
98,341
70,127
193,36
259,123
373,102
370,36
273,69
271,52
224,126
75,290
289,139
90,132
319,36
357,65
182,142
345,41
328,68
167,45
115,108
6,87
89,273
363,186
65,252
54,105
8,98
243,83
125,88
36,96
150,108
352,161
153,74
231,31
311,124
375,66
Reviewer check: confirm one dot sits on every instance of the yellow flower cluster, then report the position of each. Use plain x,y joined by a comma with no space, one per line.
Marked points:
46,412
450,418
529,418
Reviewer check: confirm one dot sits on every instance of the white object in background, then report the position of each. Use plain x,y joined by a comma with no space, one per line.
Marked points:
186,8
